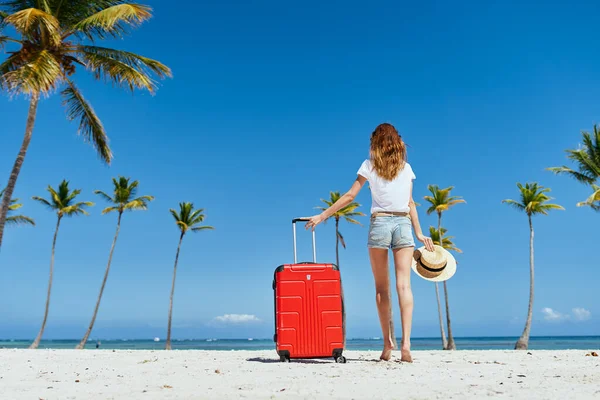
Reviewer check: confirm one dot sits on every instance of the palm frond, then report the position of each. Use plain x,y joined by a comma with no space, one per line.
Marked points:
110,209
123,69
104,196
578,176
141,203
454,201
175,215
38,72
32,22
592,200
544,208
19,220
586,159
514,204
3,16
352,221
77,209
55,198
6,39
196,215
113,21
43,201
342,241
90,126
182,226
202,228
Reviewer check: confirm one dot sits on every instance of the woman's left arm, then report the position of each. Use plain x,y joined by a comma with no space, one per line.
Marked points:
414,217
342,202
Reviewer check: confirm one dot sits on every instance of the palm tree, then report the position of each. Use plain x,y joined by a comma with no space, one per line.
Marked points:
593,201
587,160
16,219
187,219
62,202
347,213
123,199
54,38
534,200
448,244
440,201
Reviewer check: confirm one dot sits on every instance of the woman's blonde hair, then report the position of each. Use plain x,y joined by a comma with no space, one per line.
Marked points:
388,152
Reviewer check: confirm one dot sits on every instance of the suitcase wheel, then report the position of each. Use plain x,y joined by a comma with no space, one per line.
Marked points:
284,359
340,360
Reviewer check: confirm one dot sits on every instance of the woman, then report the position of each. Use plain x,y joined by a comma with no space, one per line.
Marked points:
392,212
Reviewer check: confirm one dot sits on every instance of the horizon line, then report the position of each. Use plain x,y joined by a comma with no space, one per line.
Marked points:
271,339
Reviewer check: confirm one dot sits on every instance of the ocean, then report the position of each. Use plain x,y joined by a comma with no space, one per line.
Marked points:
467,343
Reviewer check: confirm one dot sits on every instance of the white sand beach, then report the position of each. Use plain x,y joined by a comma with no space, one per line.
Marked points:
104,374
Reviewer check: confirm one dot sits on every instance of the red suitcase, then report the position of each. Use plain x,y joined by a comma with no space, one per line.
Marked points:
309,309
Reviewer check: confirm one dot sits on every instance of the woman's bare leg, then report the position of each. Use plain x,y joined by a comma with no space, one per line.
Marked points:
379,265
402,262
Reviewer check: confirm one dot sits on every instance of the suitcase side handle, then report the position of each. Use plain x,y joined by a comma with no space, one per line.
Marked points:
303,219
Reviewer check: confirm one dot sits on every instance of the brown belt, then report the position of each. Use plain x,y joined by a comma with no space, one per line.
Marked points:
390,214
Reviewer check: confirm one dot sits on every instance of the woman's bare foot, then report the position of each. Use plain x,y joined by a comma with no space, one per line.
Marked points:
405,354
386,354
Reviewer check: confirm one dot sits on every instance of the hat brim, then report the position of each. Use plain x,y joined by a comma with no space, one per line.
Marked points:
446,274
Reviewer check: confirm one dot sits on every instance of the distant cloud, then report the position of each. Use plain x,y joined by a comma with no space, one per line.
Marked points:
581,314
236,319
552,315
577,314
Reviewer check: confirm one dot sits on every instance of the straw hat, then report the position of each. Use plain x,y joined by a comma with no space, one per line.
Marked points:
435,266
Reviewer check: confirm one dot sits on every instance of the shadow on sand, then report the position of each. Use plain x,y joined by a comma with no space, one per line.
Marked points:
307,360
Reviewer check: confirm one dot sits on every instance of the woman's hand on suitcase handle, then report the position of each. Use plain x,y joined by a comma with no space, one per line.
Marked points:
314,221
426,241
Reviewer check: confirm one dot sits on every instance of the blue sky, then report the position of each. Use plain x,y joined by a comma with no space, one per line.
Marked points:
271,107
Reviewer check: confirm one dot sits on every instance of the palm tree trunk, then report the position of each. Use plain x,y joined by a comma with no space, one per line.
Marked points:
451,345
12,181
81,344
437,290
523,341
441,318
168,344
337,259
37,340
337,241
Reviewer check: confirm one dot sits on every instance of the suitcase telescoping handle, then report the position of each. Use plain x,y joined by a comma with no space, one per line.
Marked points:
313,239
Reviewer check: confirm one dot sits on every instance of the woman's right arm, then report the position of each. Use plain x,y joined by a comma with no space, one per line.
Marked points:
414,217
342,202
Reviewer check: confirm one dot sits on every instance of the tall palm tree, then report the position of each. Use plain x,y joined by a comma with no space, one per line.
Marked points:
587,161
347,213
448,244
62,202
123,199
441,201
187,219
533,200
54,38
16,219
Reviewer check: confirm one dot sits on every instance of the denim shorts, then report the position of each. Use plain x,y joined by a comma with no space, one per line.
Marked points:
393,232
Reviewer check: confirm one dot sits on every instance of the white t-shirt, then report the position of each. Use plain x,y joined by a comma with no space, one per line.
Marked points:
387,195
